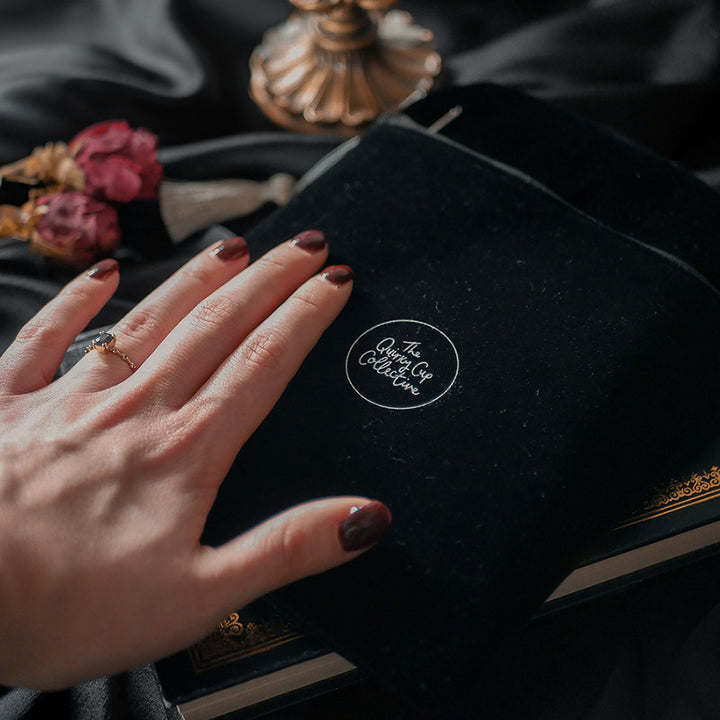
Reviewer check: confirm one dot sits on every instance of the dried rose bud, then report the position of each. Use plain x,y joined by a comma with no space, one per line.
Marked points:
120,164
73,228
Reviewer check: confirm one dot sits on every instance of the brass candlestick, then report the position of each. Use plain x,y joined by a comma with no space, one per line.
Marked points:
336,65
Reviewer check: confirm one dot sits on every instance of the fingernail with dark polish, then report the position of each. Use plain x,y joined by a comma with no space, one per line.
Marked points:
310,240
231,249
364,526
337,274
100,270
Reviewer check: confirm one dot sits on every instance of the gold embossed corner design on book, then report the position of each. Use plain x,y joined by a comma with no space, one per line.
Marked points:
678,523
237,639
698,488
255,661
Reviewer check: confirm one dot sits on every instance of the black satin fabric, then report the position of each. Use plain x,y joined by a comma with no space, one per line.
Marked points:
647,68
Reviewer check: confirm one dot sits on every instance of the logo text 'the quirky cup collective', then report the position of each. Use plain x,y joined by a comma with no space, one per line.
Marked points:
402,364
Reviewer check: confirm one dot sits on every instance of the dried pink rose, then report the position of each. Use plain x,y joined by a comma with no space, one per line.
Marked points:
73,228
120,163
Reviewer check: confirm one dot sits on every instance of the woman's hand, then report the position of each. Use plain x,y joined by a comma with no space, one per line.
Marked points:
107,475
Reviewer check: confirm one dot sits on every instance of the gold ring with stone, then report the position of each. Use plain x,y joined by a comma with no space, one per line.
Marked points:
105,343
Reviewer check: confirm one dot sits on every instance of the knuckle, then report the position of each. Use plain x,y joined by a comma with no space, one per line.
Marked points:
30,331
263,350
214,311
290,548
75,291
197,276
42,329
306,301
142,324
272,261
194,273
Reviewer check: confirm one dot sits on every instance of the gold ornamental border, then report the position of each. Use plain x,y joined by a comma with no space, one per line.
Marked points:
678,495
235,640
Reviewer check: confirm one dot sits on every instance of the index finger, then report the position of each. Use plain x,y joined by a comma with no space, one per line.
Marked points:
34,357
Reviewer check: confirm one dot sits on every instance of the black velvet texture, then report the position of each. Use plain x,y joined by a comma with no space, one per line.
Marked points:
587,366
615,180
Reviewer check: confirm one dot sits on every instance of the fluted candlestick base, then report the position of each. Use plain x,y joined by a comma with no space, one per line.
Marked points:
336,72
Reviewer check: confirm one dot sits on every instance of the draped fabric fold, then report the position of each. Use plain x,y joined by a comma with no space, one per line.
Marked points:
649,68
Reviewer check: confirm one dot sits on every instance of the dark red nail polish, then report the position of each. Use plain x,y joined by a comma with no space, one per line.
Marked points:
337,274
364,526
310,240
100,270
231,249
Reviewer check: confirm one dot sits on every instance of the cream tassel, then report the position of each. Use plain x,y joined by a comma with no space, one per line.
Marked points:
187,207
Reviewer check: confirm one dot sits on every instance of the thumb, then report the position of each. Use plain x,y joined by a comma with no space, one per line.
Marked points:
302,541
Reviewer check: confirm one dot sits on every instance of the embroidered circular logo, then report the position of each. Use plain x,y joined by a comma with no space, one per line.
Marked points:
402,364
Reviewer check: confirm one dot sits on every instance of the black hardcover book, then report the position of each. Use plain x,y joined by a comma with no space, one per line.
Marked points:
257,661
511,376
621,185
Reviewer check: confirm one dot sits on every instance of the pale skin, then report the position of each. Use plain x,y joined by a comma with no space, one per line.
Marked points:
107,475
